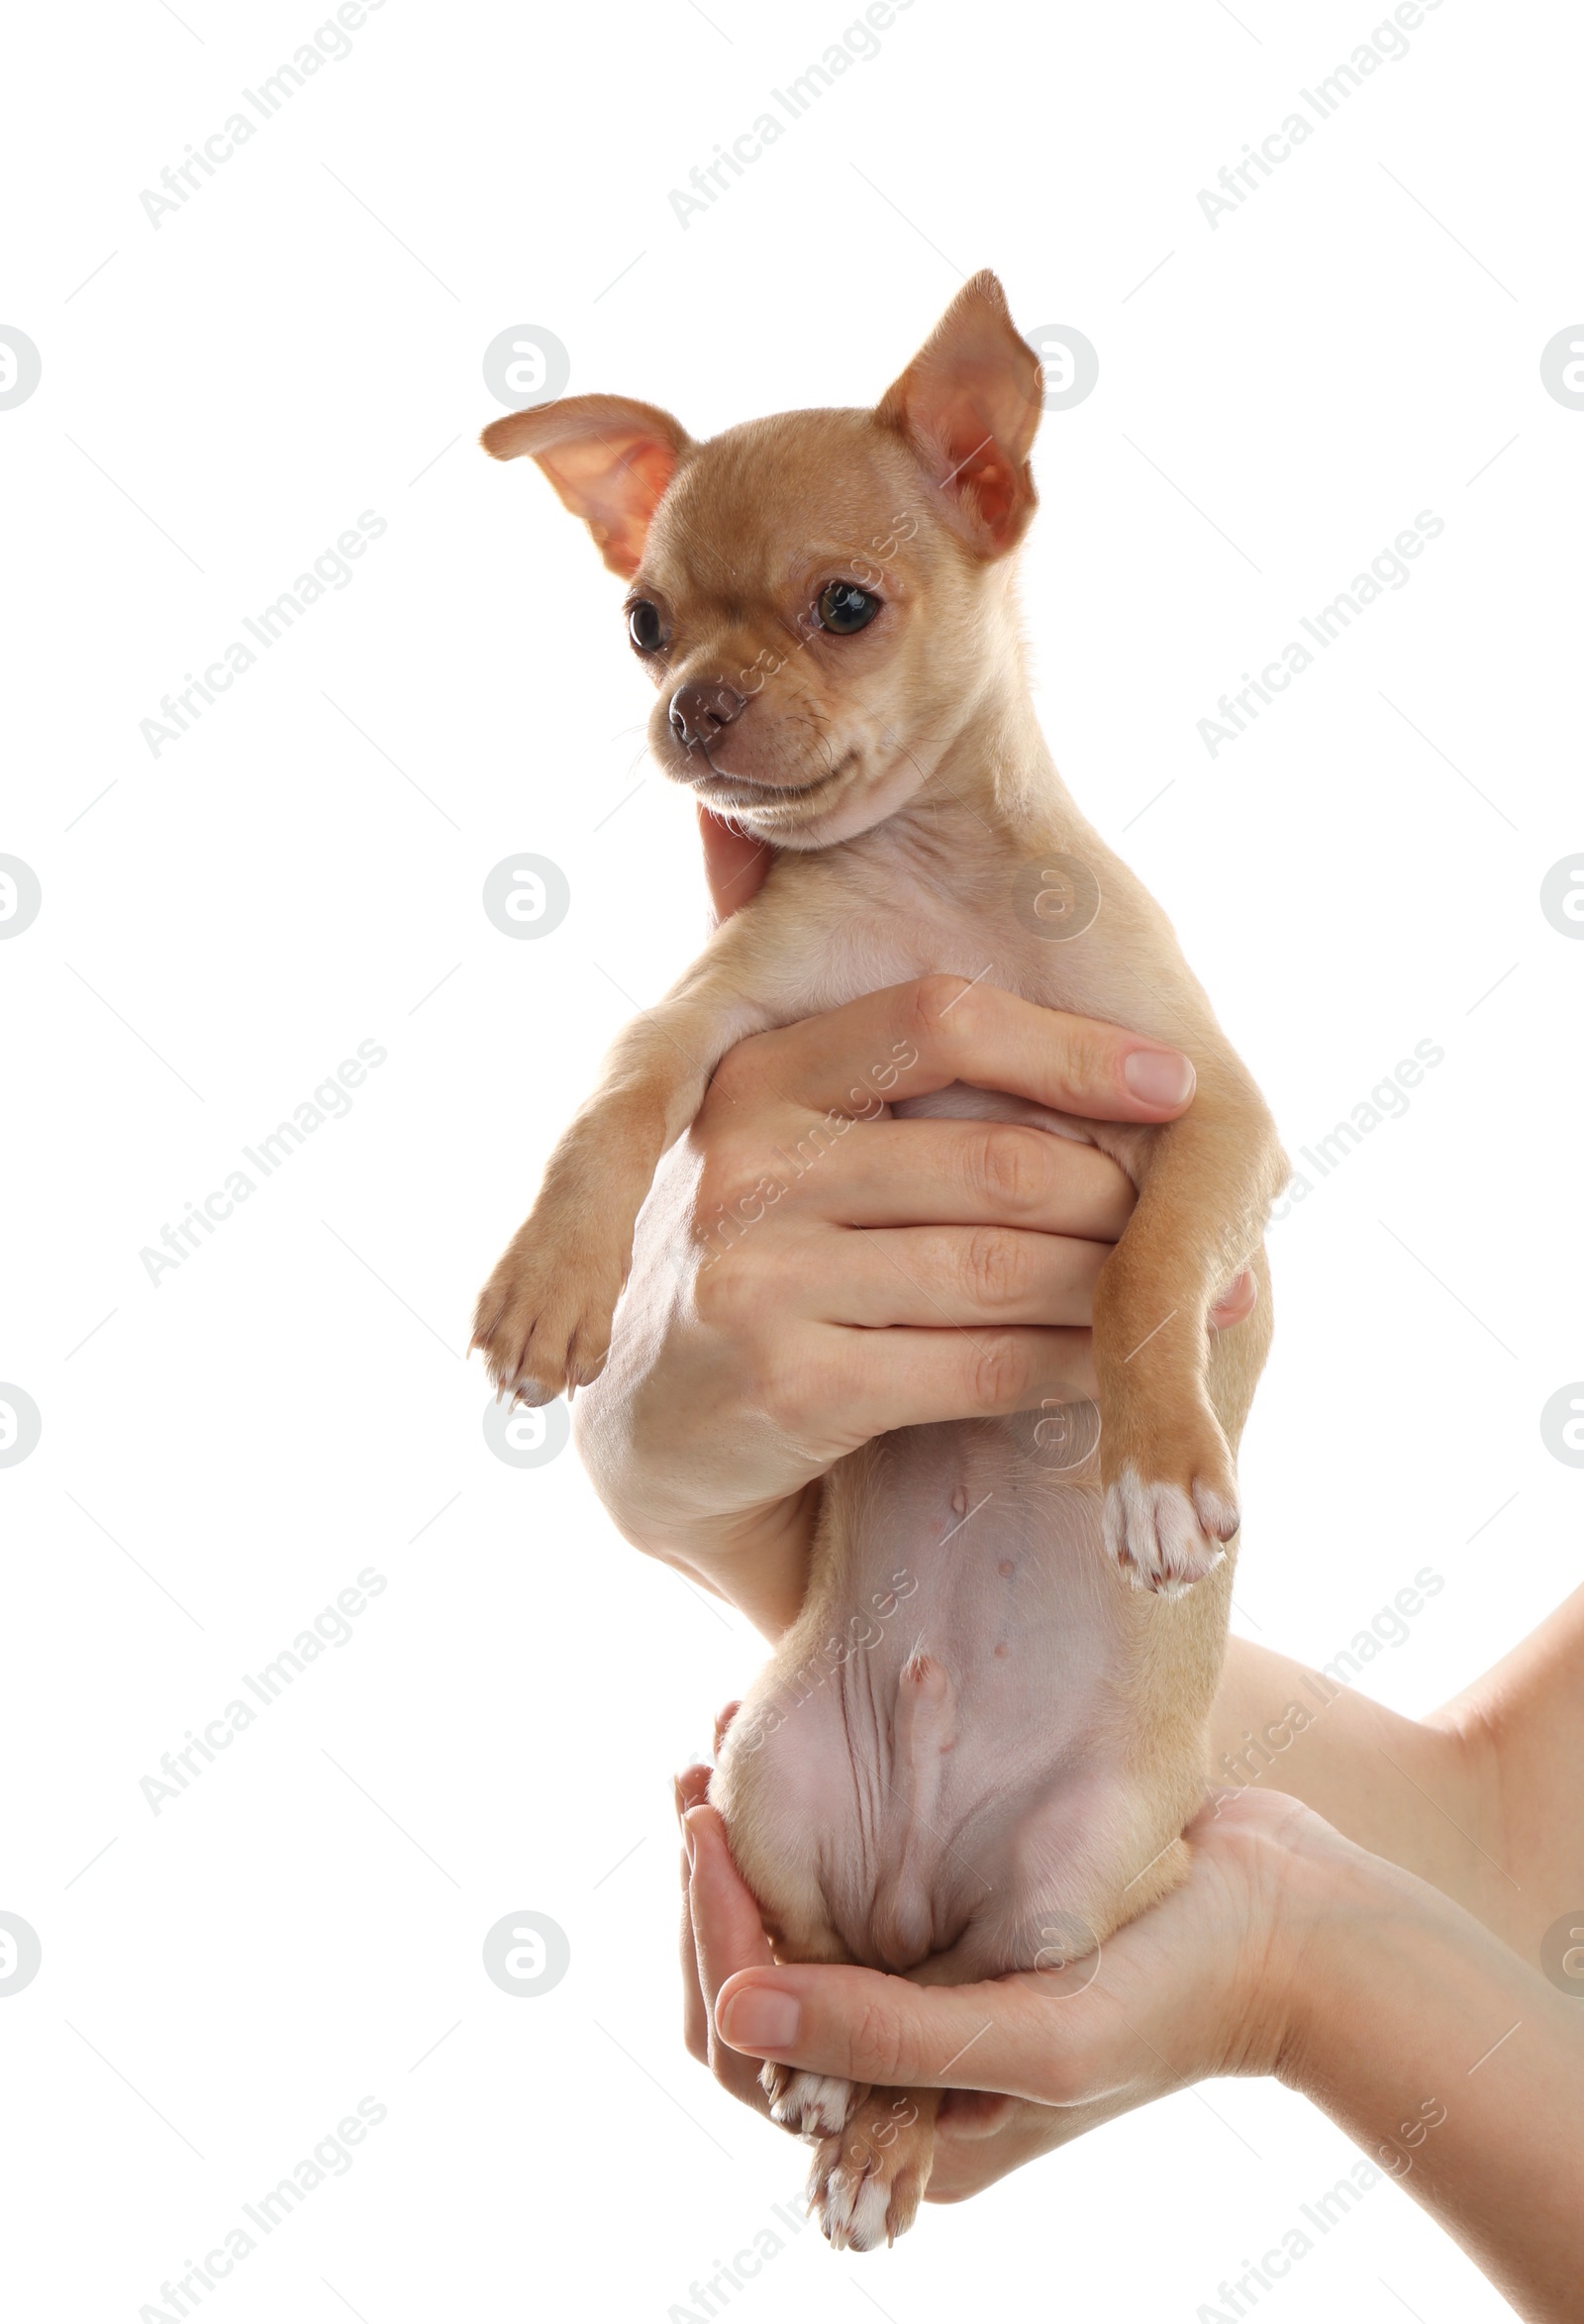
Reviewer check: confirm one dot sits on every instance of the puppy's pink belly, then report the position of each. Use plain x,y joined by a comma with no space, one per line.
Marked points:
936,1769
980,1726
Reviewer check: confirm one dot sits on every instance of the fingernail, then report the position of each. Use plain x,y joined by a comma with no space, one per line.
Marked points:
688,1842
1161,1076
759,2019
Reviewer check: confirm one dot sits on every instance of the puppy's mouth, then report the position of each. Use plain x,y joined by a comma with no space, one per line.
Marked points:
744,796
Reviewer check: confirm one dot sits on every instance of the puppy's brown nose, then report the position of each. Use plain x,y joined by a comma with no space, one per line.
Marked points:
699,711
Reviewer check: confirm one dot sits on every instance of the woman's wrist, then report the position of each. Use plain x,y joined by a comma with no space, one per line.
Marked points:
1338,1903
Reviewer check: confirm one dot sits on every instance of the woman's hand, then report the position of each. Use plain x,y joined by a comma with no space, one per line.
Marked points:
1289,1951
809,1271
1199,1986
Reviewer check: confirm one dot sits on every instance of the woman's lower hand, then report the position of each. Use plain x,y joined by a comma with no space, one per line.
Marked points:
1199,1985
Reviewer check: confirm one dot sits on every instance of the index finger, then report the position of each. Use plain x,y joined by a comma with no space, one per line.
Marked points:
915,1039
728,1936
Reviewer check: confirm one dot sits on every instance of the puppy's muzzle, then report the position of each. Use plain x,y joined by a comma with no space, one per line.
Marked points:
700,711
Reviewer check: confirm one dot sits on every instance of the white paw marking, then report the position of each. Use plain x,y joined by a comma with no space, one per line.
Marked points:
816,2105
853,2210
1163,1540
1219,1516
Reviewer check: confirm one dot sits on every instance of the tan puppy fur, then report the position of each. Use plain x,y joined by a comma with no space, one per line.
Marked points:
978,1748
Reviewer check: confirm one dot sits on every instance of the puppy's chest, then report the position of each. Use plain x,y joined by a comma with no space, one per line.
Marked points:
910,929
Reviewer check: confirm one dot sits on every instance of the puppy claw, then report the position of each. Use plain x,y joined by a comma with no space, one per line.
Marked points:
1216,1512
1165,1538
543,1326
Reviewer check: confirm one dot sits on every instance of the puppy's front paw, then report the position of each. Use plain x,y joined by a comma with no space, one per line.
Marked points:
1171,1490
867,2182
1163,1538
544,1318
815,2105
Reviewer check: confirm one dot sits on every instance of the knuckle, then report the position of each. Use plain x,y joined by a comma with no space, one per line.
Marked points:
790,1395
1006,1165
931,996
722,1176
810,1391
781,1393
999,1373
723,1292
881,2050
736,1190
997,1268
933,1011
1089,1056
737,1077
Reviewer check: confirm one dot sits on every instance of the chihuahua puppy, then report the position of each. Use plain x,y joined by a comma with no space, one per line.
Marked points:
977,1748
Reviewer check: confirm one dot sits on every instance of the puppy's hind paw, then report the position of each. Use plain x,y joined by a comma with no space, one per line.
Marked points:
1166,1539
815,2105
868,2182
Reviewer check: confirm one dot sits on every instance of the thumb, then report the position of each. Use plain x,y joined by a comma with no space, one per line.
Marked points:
734,866
869,2027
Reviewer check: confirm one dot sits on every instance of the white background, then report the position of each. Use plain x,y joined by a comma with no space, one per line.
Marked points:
221,925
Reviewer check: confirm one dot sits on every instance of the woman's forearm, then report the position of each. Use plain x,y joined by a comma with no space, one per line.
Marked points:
1524,1719
1456,2068
1417,1793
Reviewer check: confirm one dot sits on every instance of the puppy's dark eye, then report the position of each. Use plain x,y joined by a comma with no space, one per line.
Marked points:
644,627
844,607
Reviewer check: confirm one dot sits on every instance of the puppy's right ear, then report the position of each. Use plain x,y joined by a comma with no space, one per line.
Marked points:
609,458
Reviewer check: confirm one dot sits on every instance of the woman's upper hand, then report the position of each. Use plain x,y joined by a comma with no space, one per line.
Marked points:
809,1271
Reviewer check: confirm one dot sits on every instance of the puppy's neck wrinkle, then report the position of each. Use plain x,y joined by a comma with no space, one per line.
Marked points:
993,790
971,825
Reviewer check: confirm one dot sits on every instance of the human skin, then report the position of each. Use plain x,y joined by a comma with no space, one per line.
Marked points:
1290,1952
1403,2001
708,1435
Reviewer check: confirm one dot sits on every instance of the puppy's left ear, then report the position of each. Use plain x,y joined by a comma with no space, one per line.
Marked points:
609,460
967,406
